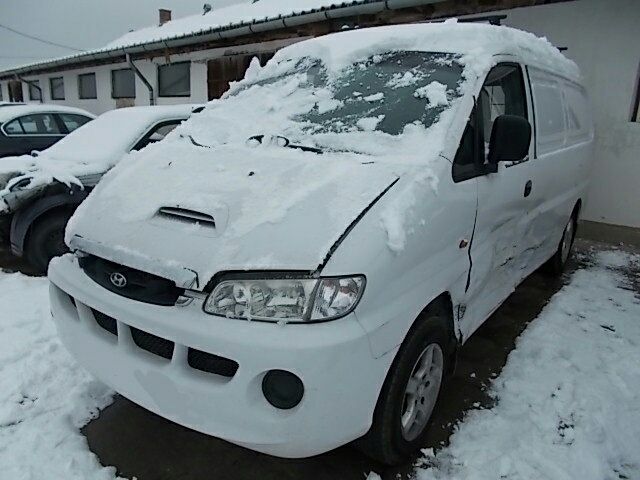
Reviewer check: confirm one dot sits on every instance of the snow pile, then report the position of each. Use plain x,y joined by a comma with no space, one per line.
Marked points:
45,397
568,399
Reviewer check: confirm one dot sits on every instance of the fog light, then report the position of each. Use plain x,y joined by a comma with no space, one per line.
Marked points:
282,389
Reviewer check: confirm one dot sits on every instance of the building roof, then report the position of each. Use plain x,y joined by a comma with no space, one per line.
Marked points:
223,23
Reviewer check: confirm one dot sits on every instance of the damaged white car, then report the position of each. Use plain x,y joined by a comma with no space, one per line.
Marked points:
296,266
39,193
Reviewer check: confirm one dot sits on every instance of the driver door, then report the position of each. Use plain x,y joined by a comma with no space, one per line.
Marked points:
502,215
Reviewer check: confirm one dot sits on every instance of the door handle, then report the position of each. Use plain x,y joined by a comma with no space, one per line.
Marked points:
527,188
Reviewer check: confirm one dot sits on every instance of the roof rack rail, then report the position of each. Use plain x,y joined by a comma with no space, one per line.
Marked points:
492,19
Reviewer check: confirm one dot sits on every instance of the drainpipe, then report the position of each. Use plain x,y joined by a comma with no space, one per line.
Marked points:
31,84
152,98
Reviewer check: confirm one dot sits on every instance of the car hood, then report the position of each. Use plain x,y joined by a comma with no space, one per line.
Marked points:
199,211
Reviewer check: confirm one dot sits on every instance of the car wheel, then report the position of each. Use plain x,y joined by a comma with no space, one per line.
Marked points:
410,392
46,240
557,264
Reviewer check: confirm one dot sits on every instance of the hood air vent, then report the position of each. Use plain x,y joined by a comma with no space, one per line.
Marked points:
187,216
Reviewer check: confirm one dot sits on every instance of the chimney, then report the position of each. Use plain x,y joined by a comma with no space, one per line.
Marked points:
165,16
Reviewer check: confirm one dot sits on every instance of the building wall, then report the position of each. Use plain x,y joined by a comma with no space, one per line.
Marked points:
603,37
148,68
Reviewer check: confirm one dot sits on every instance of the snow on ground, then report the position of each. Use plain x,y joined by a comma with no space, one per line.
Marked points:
567,402
568,399
45,397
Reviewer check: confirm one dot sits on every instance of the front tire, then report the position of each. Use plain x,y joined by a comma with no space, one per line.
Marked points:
46,240
410,392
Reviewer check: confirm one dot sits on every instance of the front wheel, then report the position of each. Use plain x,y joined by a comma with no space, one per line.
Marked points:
46,240
410,393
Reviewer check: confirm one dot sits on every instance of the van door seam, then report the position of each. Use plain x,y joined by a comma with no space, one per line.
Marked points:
473,233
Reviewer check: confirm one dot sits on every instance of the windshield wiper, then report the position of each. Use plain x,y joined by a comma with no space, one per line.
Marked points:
285,142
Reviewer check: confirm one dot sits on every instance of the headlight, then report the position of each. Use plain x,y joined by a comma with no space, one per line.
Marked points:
285,299
19,184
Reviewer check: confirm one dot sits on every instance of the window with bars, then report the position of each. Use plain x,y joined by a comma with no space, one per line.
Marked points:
87,86
35,93
174,80
123,83
57,88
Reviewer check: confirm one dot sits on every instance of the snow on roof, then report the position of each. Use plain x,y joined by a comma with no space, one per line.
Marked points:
224,18
262,10
478,41
10,112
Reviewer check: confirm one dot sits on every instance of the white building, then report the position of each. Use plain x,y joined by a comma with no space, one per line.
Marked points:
193,60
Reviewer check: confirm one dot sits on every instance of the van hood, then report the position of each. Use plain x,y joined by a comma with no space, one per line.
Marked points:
200,211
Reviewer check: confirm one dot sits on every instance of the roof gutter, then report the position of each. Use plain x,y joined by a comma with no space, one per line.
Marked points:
152,98
346,9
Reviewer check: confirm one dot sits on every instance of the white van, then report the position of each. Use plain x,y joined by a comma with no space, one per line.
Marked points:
297,266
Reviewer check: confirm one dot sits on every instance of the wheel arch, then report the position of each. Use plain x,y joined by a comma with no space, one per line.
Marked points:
25,218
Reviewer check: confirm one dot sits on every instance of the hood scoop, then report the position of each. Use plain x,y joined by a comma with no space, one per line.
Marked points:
185,215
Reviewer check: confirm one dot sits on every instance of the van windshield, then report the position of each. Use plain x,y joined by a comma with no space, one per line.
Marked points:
384,93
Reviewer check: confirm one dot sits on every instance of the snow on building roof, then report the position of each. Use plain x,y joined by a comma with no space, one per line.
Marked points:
227,22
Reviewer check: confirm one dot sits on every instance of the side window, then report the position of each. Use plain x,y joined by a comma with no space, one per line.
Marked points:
503,93
551,128
39,124
13,128
157,133
73,121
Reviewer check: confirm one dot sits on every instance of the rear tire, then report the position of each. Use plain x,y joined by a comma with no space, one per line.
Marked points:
556,265
46,240
392,437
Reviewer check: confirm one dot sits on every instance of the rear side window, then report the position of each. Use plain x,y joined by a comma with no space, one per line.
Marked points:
13,128
578,116
39,124
550,115
73,121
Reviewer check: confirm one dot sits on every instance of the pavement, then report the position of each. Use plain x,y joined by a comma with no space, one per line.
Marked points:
143,445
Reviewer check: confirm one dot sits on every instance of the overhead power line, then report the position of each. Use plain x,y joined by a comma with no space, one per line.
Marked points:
38,39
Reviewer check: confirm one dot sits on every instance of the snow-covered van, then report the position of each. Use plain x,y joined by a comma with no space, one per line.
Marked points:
39,193
297,266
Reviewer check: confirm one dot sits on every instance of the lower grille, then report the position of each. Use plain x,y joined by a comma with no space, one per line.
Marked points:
106,322
210,363
152,344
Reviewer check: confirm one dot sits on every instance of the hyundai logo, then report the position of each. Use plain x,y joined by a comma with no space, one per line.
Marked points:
118,279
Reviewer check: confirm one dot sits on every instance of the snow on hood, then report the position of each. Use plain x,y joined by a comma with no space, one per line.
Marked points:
280,208
273,208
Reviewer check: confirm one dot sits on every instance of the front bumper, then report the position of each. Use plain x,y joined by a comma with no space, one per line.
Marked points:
341,378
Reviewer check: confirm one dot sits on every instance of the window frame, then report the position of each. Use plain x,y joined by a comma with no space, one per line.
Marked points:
158,70
113,72
479,168
95,86
51,89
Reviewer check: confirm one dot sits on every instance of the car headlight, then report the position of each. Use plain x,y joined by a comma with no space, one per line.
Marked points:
285,299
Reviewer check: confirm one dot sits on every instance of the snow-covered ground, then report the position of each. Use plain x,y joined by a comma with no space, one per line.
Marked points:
567,402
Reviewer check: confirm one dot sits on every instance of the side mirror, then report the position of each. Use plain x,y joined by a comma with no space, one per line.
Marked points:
510,139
